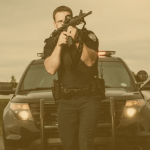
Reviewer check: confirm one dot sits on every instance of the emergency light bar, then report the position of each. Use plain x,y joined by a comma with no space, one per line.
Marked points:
106,53
40,54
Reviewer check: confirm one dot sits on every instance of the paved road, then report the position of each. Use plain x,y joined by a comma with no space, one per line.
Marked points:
1,143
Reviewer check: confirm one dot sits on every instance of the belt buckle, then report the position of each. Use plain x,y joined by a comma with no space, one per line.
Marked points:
74,93
66,93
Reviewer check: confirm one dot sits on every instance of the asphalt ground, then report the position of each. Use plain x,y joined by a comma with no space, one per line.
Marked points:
1,143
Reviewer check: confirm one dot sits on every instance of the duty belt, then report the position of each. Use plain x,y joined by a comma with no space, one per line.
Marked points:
68,93
96,87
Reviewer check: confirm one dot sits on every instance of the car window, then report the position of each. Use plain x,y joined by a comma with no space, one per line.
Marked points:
115,75
37,77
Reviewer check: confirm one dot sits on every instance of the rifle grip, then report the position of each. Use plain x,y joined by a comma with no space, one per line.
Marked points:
70,41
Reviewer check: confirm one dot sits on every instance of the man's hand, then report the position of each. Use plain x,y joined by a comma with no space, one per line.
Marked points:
73,32
62,39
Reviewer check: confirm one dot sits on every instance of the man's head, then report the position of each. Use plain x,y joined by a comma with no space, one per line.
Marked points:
59,15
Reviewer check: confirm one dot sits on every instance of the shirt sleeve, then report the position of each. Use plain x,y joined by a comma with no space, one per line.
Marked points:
90,40
48,48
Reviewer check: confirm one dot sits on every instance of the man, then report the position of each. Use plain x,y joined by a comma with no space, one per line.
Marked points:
77,115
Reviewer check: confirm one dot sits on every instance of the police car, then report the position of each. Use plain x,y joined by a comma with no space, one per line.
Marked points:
21,117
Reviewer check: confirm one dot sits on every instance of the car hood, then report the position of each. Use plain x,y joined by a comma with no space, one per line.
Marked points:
33,97
36,96
122,94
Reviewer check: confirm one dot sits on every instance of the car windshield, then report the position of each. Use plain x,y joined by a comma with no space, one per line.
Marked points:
37,78
116,76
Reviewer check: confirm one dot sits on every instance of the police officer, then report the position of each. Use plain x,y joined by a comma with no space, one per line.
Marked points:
77,115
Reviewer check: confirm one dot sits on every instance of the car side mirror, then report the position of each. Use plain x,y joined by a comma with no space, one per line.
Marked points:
142,76
6,89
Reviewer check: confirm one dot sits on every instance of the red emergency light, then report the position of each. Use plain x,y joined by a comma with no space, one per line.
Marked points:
106,53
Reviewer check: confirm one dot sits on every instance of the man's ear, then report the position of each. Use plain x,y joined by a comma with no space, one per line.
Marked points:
54,24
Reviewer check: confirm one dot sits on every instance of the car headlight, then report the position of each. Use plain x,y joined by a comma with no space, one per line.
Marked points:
138,103
133,107
21,111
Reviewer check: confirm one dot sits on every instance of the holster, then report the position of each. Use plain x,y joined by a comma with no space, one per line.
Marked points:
56,90
96,87
101,87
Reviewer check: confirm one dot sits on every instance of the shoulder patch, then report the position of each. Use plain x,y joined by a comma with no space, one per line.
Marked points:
92,36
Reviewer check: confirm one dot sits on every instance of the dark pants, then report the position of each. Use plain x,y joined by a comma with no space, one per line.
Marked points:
77,121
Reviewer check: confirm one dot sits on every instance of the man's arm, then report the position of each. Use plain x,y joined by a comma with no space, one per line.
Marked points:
53,62
89,55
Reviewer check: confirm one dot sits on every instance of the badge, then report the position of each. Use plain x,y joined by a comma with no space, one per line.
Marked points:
92,36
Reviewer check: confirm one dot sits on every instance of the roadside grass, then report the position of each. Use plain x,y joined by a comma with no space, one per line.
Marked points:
3,103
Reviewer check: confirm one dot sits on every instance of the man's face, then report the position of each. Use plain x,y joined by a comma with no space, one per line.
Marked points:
60,18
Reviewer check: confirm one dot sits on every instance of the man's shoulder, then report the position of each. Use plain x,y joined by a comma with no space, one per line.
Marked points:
89,35
48,40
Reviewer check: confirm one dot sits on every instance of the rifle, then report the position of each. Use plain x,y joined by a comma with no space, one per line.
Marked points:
70,22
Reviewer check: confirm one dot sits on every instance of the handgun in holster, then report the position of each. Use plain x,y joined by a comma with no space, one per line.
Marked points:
101,86
94,89
56,90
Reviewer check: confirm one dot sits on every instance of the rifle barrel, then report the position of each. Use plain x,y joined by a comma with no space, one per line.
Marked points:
71,23
87,14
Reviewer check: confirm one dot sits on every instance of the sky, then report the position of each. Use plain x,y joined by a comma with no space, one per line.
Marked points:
121,26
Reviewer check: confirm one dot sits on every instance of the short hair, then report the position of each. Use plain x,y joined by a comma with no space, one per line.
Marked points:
60,9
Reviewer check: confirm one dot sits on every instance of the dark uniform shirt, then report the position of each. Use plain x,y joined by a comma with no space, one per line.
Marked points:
81,75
